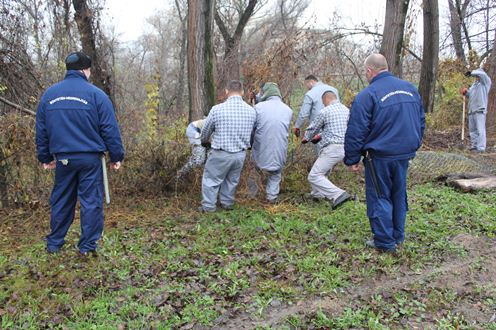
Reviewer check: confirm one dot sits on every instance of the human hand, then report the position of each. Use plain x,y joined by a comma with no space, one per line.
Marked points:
355,168
115,166
304,141
316,139
49,166
463,91
296,132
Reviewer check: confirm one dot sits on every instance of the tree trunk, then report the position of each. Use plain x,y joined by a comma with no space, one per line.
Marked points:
179,93
491,106
394,27
456,32
101,77
430,58
200,57
462,11
4,182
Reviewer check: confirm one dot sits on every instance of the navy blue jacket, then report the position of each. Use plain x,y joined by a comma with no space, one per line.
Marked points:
387,119
75,116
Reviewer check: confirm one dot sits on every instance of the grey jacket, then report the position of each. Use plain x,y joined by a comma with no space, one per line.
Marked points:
193,132
478,92
312,103
270,140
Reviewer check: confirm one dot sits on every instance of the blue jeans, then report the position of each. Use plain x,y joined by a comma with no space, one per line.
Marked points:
387,201
80,177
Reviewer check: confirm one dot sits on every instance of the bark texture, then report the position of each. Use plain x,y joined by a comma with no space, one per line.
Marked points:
428,72
456,30
394,27
200,57
491,106
100,75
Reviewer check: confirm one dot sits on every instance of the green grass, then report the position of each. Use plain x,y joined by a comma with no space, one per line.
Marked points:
164,271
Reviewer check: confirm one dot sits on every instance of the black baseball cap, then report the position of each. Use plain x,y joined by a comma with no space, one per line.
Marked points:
77,61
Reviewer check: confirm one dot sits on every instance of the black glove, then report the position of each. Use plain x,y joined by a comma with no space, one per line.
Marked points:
316,139
468,73
206,144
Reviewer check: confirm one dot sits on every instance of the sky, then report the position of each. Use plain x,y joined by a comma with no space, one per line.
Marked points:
129,18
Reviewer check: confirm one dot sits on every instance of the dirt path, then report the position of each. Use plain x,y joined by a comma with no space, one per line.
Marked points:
457,274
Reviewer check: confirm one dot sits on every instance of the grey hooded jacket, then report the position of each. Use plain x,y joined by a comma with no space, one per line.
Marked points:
270,140
478,92
312,103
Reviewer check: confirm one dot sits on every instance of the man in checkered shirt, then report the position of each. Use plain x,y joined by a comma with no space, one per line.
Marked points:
330,124
231,123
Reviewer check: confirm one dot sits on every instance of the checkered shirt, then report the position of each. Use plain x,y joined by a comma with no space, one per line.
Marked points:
231,123
331,123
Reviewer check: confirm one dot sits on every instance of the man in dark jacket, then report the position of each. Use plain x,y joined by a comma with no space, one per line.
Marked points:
386,126
75,125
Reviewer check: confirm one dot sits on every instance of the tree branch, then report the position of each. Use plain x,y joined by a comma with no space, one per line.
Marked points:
364,31
222,27
178,7
243,20
17,106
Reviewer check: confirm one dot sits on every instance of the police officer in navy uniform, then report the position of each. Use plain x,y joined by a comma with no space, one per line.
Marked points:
386,126
75,125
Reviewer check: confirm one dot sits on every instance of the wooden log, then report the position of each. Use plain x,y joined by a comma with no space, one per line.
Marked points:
475,184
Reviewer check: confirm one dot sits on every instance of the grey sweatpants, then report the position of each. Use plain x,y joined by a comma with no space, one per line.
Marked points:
273,184
221,177
329,156
477,129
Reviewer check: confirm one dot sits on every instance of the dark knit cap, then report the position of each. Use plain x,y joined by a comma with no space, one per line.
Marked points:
77,61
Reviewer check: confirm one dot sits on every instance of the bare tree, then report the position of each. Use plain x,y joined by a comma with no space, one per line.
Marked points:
84,17
62,36
462,12
231,65
394,27
428,72
456,29
179,93
491,107
200,57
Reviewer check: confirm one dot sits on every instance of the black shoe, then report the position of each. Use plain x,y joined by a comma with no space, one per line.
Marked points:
273,201
310,197
226,207
343,198
370,243
52,251
87,254
202,210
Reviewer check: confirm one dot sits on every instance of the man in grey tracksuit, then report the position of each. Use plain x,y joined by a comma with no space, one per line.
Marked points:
232,122
328,131
312,102
477,108
270,139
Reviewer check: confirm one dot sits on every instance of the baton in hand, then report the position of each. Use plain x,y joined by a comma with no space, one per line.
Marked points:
105,180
